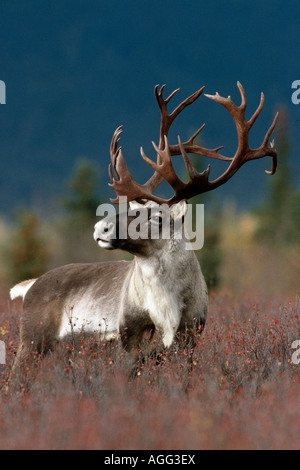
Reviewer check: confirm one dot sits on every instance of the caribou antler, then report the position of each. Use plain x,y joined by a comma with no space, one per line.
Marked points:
124,185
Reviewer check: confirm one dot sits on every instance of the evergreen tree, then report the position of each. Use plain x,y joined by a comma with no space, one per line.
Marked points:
82,198
80,204
210,256
278,215
27,255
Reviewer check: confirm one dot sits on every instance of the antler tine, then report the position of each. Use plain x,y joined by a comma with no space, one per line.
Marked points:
114,151
159,95
166,118
165,124
121,180
164,167
272,145
243,96
258,110
197,181
191,147
115,141
166,121
244,153
189,100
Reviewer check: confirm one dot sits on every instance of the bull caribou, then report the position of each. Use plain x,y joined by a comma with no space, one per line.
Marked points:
161,292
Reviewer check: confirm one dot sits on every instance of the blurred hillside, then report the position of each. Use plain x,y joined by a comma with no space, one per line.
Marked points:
75,70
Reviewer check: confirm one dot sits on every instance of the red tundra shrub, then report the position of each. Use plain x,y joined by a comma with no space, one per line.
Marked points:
238,389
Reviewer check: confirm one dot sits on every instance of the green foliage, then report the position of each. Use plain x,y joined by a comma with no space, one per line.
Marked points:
210,256
79,205
82,198
27,254
278,215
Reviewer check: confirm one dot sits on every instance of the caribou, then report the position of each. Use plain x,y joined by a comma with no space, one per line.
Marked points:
148,301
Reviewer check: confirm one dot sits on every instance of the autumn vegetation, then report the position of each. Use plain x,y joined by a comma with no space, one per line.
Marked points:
241,390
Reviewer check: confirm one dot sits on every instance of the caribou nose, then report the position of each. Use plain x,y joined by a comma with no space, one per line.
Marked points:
104,230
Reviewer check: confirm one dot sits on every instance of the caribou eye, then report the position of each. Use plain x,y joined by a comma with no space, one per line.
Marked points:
156,218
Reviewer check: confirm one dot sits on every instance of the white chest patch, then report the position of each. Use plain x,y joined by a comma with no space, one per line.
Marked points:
160,300
84,315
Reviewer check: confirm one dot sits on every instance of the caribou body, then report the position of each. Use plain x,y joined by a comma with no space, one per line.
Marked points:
160,292
145,301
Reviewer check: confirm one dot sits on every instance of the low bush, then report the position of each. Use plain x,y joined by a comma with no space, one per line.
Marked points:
242,391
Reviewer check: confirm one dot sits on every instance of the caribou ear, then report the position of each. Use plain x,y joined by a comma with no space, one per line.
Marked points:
179,210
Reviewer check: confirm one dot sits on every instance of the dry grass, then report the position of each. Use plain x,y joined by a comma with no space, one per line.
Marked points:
242,393
247,262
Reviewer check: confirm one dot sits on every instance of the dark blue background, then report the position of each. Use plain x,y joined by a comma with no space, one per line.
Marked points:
75,70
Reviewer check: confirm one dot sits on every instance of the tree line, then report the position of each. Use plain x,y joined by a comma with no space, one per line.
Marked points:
34,245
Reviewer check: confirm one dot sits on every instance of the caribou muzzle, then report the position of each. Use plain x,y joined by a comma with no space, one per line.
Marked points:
105,234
